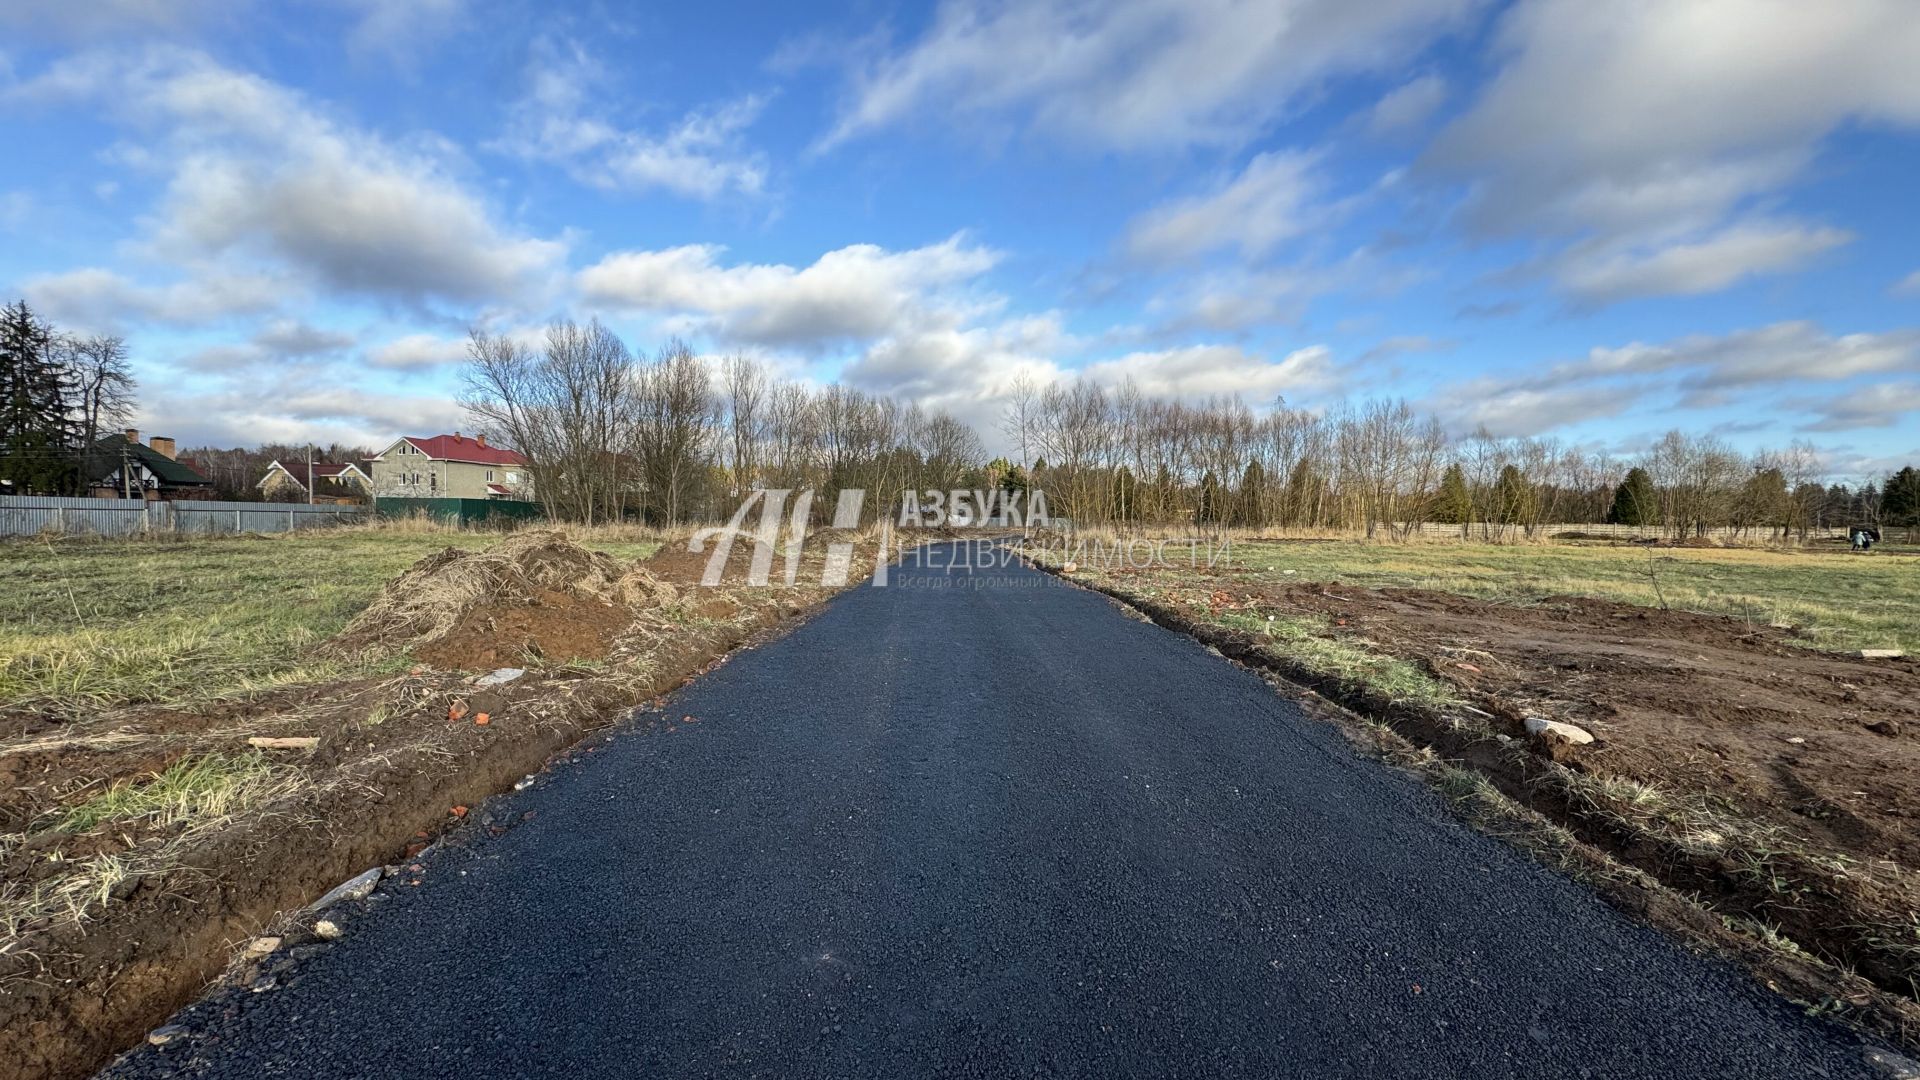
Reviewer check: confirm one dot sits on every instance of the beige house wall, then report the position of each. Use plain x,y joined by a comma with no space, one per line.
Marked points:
421,477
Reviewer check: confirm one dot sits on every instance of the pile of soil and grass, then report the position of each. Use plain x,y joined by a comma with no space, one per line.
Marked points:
1778,784
534,597
381,767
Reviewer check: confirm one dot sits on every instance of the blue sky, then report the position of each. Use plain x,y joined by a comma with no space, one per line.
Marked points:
1587,221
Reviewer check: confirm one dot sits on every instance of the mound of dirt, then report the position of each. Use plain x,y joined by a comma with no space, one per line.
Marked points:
535,595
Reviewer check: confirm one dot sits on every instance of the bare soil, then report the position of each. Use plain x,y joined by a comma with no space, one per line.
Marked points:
397,761
1776,784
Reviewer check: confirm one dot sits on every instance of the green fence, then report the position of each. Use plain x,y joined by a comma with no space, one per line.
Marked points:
500,513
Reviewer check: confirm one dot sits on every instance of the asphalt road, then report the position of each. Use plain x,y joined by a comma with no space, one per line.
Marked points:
981,824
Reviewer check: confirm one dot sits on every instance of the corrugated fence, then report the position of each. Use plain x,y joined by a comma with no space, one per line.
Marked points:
30,515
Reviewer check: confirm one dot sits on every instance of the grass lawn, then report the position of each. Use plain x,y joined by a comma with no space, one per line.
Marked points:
1844,601
106,622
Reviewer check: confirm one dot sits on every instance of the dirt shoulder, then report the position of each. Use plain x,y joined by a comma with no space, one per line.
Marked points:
1770,785
143,848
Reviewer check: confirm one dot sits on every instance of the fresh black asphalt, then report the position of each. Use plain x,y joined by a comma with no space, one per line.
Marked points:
978,823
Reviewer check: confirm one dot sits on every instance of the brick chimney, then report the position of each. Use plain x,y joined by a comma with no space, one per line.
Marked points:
163,445
133,435
481,439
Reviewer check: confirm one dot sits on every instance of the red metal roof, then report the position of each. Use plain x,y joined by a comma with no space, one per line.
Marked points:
463,448
500,489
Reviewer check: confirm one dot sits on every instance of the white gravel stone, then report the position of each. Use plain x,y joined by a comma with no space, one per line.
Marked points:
1541,728
354,888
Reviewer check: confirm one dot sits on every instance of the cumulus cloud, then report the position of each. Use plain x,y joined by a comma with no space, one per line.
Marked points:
1602,273
1201,371
856,292
256,171
400,29
701,156
97,299
1698,370
1254,212
1509,409
1878,406
1408,106
413,352
248,415
1656,124
291,337
68,21
1148,73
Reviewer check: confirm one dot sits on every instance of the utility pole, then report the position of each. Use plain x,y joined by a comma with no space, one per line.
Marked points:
126,474
309,474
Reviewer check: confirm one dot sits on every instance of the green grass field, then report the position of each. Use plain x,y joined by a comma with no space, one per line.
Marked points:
108,622
1843,601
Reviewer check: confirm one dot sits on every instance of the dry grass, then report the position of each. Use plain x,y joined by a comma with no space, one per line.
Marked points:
172,810
1842,601
86,623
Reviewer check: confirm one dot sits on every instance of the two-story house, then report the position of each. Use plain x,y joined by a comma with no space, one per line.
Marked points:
452,466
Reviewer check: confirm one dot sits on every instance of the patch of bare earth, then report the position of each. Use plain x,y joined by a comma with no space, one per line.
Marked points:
1774,785
111,925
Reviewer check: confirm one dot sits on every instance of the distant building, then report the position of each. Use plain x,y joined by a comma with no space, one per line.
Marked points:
333,481
123,468
450,467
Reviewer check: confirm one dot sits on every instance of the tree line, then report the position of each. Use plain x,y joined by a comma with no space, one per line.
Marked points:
670,438
612,435
60,394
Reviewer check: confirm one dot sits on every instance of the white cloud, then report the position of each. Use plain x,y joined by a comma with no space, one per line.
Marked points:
856,292
1518,410
98,299
258,172
1409,106
1201,371
1878,406
418,351
1706,265
1255,212
1907,286
1782,352
91,19
964,371
1701,370
248,415
1146,73
290,337
700,157
400,29
1656,125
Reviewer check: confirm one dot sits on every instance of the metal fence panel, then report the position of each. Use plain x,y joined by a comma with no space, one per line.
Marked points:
30,515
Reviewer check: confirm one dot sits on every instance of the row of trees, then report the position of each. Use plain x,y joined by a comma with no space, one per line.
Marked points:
671,438
59,394
1117,456
611,435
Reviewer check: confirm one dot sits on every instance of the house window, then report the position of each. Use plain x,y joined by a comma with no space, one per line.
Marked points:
489,476
433,481
513,478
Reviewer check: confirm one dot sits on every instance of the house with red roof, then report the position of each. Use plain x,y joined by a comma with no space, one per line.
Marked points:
452,466
332,481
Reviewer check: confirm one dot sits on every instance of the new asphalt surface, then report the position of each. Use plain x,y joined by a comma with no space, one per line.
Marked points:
979,823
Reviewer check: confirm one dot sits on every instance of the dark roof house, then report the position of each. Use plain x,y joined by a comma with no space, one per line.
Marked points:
124,466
